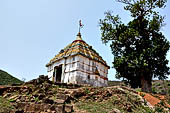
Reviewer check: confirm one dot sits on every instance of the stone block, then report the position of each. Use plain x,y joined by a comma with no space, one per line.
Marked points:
68,108
59,101
59,109
48,101
62,96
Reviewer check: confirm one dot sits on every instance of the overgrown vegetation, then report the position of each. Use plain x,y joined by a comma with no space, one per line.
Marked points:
41,91
7,79
5,106
161,87
123,103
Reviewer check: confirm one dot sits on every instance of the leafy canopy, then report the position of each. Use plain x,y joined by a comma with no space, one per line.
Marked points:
139,48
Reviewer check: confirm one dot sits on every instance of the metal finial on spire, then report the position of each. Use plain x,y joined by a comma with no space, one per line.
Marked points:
79,34
80,25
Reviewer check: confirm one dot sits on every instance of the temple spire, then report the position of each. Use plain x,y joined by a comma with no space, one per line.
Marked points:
79,36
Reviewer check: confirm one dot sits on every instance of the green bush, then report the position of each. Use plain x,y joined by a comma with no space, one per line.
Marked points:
153,90
159,109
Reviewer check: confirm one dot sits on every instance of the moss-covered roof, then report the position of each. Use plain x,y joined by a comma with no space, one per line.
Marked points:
78,46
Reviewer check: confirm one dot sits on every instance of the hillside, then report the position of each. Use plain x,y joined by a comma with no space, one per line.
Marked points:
158,86
7,79
161,87
41,95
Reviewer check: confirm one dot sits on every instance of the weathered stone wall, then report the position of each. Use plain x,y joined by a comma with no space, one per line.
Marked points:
45,108
92,82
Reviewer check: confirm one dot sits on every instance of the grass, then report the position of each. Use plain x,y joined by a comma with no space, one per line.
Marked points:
96,107
120,102
5,105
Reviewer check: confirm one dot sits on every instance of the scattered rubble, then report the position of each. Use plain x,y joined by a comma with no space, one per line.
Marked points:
41,95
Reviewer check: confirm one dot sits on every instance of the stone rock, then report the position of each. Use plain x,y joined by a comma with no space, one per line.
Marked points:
48,101
42,79
32,107
18,100
13,98
45,106
39,80
24,90
48,110
20,105
32,100
115,111
53,107
63,97
41,96
7,95
28,107
59,109
129,108
59,101
19,111
26,99
77,93
68,108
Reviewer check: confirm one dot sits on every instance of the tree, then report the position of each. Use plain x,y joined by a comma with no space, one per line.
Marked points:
139,48
23,79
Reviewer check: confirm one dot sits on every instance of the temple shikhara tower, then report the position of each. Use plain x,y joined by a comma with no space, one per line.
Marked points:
78,63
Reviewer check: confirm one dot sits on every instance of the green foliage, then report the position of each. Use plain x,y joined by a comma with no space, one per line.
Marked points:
159,109
11,100
153,90
138,89
87,91
139,48
7,79
161,87
36,99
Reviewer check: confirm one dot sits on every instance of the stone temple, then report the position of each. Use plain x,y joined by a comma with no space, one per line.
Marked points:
78,63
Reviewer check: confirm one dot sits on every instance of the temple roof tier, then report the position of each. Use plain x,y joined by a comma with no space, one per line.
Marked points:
78,46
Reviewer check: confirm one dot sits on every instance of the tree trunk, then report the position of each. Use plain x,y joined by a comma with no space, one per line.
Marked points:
146,85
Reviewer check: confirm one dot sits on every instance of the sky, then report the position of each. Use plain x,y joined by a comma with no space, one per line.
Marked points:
33,31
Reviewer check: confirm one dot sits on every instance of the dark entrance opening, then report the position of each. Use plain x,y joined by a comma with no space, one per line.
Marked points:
57,73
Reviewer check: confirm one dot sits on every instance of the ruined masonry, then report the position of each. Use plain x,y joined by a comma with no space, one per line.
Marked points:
78,63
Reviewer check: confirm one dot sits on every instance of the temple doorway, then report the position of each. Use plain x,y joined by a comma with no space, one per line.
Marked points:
57,73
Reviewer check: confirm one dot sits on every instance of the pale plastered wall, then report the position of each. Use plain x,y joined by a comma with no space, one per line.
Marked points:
79,69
